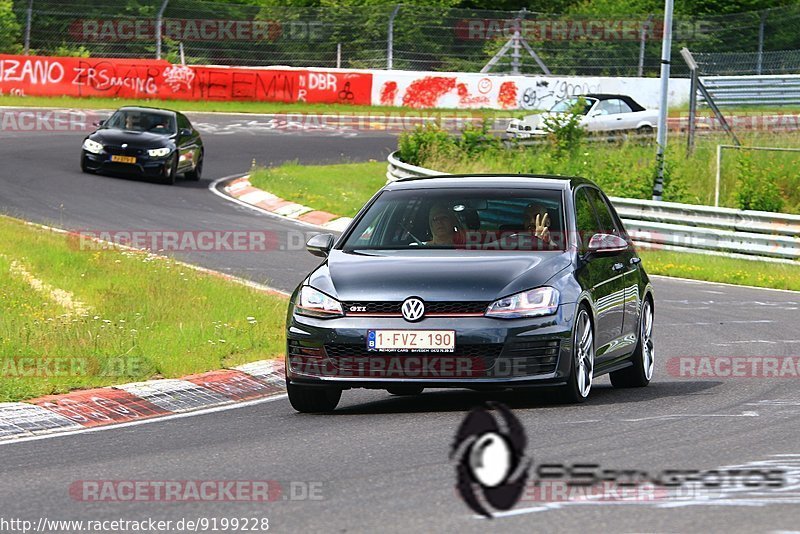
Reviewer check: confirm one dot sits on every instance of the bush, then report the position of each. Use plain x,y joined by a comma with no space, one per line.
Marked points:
565,132
755,187
423,142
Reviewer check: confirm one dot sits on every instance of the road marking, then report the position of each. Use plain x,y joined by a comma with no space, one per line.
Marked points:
690,415
203,411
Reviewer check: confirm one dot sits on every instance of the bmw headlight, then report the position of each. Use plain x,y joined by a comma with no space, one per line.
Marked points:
158,152
533,303
92,146
314,303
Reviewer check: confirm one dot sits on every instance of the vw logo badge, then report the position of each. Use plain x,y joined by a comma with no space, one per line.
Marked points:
413,309
124,145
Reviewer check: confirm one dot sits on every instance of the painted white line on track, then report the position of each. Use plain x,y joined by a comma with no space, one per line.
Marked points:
689,280
202,411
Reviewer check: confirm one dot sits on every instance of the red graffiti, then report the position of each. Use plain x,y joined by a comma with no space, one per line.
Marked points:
507,98
425,92
388,93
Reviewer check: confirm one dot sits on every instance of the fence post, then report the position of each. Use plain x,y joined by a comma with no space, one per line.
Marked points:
390,38
642,41
159,23
28,17
761,24
338,55
661,133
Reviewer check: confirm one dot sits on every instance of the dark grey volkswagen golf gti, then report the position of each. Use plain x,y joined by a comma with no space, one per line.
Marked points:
481,281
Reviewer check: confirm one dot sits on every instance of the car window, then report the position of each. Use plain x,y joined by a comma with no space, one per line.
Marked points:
608,107
624,107
606,220
565,105
134,120
183,122
461,219
585,219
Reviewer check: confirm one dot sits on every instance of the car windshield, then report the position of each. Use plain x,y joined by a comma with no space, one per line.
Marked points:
471,219
565,105
142,121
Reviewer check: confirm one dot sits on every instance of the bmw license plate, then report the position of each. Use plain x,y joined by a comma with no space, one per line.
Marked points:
411,340
123,159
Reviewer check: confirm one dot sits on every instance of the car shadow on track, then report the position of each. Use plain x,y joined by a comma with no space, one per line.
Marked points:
457,400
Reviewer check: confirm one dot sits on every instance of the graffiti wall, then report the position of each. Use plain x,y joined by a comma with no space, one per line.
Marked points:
462,90
131,78
142,78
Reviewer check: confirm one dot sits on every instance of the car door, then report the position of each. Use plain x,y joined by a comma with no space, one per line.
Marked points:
632,280
627,263
601,275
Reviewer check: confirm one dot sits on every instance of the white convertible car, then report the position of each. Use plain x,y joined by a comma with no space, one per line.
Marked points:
602,113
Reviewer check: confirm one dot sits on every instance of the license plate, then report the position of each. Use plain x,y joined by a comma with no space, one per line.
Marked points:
123,159
411,340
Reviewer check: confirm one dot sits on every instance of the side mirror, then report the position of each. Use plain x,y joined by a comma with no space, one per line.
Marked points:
186,132
607,243
99,123
320,245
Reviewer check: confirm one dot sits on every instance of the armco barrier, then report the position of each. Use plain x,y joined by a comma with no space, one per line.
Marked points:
686,227
146,78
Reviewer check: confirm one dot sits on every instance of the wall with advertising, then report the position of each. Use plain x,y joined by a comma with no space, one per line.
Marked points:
141,78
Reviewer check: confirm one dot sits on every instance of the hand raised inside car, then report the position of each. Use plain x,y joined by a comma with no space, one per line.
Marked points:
541,227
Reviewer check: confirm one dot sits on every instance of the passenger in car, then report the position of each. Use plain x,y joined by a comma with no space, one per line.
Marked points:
537,221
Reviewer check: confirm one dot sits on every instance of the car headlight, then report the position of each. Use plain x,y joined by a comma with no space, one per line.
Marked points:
314,303
533,303
158,152
92,146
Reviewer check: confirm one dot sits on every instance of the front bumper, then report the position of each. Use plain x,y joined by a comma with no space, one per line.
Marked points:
144,166
489,353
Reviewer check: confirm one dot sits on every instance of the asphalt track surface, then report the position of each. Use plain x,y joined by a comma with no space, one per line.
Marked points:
382,461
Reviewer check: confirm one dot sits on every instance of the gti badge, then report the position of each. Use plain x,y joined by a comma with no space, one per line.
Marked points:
413,309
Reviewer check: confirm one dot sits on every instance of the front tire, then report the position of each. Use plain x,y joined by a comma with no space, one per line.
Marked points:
313,399
170,172
84,166
581,373
640,373
196,173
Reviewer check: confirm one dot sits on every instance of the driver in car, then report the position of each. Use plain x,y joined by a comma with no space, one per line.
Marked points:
537,221
445,226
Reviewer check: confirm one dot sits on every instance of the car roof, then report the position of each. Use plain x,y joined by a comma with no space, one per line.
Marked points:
148,109
489,181
633,104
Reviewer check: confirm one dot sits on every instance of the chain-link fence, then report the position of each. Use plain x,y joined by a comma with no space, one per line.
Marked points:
398,36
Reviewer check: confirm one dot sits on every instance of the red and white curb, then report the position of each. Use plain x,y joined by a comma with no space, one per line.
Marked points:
242,190
137,401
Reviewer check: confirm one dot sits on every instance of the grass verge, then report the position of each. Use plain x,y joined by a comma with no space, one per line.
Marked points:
722,269
241,107
104,317
343,189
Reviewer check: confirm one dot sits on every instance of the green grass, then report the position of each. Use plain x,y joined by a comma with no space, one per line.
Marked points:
341,189
722,269
241,107
627,169
161,319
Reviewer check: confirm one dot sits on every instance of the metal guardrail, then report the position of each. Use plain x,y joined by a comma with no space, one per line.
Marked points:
755,235
773,90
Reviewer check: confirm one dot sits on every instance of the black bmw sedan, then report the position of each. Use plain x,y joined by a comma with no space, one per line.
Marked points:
149,142
474,282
